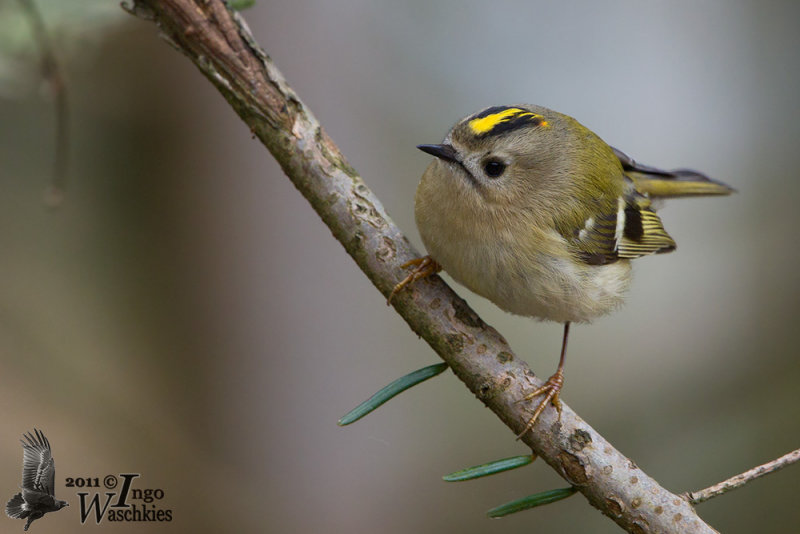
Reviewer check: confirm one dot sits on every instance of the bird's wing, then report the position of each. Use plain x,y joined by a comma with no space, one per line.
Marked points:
660,183
38,468
643,231
594,240
631,230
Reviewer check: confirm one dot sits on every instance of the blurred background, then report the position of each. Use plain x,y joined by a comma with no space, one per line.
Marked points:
186,315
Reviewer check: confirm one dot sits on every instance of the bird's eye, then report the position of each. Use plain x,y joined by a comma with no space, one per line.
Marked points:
494,169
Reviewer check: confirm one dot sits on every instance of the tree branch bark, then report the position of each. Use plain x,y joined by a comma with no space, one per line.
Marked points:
696,497
221,45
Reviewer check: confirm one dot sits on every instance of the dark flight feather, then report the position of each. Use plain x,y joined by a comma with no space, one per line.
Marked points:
38,468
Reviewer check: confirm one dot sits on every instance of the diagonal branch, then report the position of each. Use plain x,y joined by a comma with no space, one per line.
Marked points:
224,50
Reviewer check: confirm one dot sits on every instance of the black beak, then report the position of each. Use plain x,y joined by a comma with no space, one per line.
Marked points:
445,152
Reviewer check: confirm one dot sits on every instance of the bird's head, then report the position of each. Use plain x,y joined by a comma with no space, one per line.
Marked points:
521,158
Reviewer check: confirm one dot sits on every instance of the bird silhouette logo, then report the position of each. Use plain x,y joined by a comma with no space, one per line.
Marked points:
38,481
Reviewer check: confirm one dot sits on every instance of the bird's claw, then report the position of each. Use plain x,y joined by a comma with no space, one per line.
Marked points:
550,390
423,268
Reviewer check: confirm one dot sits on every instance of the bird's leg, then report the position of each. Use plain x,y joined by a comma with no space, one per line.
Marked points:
550,389
423,268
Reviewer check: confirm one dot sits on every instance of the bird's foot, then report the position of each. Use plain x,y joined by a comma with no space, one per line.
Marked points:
550,390
423,268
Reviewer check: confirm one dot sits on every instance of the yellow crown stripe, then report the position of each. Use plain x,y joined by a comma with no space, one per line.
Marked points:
485,124
482,125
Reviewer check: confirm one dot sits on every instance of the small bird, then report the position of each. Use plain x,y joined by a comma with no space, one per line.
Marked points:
38,481
530,209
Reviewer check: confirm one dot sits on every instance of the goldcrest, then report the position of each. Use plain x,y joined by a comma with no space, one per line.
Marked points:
530,209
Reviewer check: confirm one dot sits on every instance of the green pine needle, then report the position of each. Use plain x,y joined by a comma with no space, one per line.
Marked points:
531,501
395,388
498,466
240,5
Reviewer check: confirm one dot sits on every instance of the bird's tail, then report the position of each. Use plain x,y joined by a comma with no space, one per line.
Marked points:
14,507
659,183
679,183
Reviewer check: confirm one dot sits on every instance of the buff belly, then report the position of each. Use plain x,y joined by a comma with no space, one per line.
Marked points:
527,280
548,288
